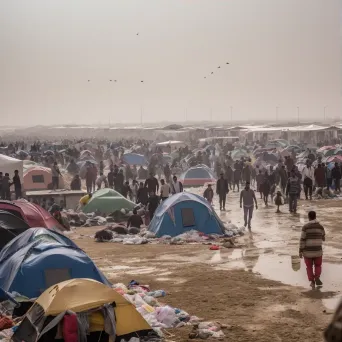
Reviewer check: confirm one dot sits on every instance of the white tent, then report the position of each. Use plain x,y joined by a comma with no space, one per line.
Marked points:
8,164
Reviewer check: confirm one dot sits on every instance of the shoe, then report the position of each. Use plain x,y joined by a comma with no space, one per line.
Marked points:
295,211
312,284
249,227
224,209
245,225
318,282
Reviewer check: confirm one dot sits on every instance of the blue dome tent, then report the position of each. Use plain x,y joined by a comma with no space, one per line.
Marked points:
183,212
40,258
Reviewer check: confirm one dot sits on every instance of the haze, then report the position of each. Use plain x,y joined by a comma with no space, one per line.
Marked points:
284,53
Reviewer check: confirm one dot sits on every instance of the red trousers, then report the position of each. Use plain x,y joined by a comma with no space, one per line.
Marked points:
310,264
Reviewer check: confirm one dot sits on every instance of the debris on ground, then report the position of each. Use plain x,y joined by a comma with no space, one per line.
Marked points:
161,316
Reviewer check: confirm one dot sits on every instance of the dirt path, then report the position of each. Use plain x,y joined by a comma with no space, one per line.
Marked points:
260,289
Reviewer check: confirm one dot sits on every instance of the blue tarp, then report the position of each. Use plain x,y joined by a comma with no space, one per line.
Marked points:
40,258
134,159
169,218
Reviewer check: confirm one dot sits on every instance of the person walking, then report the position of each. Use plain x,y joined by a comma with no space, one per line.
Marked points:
283,178
247,199
292,191
308,179
222,190
310,247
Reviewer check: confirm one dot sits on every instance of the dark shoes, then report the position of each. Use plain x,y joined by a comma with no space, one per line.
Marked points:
318,282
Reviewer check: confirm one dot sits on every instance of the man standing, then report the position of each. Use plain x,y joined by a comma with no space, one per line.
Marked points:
176,186
110,178
165,190
222,191
308,178
152,184
320,176
55,175
247,198
292,191
17,184
310,247
336,176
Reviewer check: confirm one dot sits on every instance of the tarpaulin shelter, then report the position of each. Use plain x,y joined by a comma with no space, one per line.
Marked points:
183,212
10,226
31,213
39,178
334,159
197,176
109,314
34,261
9,165
107,201
134,159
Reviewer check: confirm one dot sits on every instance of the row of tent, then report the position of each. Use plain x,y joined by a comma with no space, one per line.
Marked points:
44,264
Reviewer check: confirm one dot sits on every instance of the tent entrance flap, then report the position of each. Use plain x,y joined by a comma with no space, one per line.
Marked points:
56,275
188,217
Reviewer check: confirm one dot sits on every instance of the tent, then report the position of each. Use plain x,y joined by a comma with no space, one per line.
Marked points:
9,165
104,307
10,226
183,212
107,201
197,176
31,213
34,261
134,159
39,178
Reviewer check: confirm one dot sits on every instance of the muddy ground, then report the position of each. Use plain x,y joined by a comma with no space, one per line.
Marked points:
258,289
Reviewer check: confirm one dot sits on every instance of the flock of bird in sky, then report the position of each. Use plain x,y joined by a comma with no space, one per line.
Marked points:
212,73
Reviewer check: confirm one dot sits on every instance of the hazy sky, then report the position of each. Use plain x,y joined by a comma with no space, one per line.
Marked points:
284,53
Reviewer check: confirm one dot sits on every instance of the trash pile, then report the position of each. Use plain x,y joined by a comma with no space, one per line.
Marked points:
133,236
80,219
161,316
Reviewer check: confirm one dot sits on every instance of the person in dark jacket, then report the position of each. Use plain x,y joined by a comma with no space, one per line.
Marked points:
119,181
320,176
17,184
152,204
237,177
110,178
152,184
222,191
209,194
142,194
75,183
292,191
336,176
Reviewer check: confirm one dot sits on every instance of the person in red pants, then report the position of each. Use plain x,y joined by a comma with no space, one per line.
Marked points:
310,247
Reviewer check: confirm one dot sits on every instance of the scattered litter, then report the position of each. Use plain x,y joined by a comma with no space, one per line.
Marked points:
161,316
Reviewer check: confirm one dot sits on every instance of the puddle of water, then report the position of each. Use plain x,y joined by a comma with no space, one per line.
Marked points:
281,268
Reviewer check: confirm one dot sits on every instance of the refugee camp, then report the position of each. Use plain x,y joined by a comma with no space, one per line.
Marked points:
170,171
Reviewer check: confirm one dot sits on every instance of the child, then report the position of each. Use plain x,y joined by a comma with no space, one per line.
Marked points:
278,200
209,194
